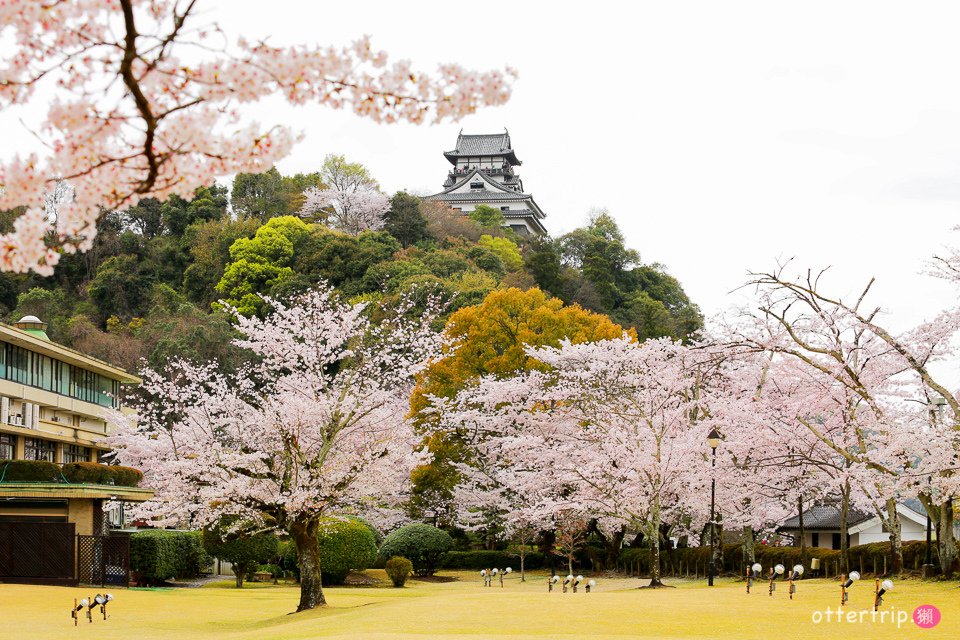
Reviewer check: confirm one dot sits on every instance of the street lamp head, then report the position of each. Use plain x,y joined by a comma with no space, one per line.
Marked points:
713,439
779,569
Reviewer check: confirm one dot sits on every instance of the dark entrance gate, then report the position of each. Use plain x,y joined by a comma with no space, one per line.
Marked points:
104,560
37,553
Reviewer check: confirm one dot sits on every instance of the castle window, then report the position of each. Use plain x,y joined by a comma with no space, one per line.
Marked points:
476,186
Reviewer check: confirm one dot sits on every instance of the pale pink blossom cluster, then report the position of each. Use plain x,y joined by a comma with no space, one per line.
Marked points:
348,211
146,104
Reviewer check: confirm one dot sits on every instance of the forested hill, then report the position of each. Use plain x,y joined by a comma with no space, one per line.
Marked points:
149,287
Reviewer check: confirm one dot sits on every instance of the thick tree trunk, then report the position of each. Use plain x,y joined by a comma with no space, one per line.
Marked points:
523,556
749,552
844,542
655,543
570,565
304,533
896,540
946,543
239,571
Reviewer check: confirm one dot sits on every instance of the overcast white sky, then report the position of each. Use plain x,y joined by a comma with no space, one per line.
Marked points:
721,135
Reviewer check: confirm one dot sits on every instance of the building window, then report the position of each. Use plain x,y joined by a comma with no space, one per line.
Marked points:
8,446
476,186
835,542
37,370
36,449
76,453
814,539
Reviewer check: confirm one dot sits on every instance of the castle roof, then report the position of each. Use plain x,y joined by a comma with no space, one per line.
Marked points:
486,145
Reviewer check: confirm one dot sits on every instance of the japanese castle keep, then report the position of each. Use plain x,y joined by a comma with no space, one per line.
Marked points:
483,173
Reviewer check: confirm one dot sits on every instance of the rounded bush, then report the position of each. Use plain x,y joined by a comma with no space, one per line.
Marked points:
88,473
398,569
346,544
29,471
424,545
125,476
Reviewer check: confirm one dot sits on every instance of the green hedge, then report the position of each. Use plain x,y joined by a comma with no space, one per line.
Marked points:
29,471
477,560
424,545
158,554
863,558
73,472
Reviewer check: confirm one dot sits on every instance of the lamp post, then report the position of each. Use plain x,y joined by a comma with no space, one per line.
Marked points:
713,439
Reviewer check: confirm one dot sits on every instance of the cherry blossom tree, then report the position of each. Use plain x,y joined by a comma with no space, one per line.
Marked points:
612,426
145,100
857,378
315,427
348,211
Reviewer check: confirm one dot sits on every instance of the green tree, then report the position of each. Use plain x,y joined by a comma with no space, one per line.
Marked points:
487,216
208,245
259,195
404,221
345,177
120,288
260,263
505,249
244,552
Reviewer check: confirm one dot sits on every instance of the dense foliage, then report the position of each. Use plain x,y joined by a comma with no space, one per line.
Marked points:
244,552
398,570
346,544
158,555
422,544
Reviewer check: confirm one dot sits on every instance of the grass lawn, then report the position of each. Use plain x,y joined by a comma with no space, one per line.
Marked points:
465,608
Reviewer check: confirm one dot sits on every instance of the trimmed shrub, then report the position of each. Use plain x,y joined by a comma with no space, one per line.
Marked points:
157,555
346,544
125,476
424,545
477,560
398,569
244,552
88,473
29,471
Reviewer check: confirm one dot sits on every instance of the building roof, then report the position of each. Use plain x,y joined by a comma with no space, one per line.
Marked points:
825,516
484,144
496,193
28,340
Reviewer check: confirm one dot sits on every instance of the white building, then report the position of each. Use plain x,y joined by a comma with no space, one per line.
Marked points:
483,173
821,526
